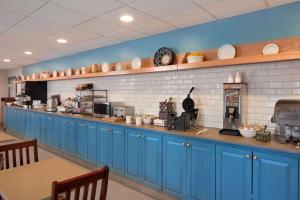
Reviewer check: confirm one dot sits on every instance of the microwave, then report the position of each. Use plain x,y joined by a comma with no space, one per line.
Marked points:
102,109
105,109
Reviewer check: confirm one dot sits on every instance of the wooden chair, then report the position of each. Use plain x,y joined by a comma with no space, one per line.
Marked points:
5,151
63,190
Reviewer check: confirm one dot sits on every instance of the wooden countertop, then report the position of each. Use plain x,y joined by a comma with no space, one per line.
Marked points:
6,138
212,134
34,181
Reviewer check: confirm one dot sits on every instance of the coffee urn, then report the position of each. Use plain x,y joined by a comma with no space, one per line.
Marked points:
234,112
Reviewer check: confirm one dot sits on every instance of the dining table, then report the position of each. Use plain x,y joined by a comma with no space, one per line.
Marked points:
6,138
34,181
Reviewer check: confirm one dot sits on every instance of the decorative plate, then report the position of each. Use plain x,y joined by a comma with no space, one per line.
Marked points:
226,51
271,49
163,56
136,63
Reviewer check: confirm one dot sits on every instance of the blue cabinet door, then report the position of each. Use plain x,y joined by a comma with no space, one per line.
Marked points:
152,159
174,166
56,132
275,177
105,145
82,134
133,154
29,124
64,134
92,142
200,171
72,137
43,133
50,130
118,149
37,126
233,174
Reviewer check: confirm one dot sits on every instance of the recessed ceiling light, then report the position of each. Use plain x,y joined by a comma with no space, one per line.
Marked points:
61,41
6,60
126,18
28,52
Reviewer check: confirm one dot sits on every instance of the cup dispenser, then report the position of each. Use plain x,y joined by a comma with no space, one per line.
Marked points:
234,107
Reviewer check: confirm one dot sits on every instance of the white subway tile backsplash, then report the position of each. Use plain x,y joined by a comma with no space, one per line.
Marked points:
267,83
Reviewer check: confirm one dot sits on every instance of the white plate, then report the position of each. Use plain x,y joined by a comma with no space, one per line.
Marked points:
271,49
226,51
118,67
105,67
136,63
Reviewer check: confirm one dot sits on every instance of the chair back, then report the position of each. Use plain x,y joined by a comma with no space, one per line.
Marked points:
18,152
82,187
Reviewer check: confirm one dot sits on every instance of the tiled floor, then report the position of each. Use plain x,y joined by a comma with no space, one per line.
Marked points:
116,191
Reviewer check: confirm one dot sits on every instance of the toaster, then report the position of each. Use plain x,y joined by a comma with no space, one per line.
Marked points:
123,111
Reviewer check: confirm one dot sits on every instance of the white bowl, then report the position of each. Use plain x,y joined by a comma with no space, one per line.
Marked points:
247,133
147,120
193,59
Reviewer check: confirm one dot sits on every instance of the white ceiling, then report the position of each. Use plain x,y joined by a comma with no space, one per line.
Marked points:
35,25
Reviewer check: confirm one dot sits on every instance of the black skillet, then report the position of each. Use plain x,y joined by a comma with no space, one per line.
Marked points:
188,104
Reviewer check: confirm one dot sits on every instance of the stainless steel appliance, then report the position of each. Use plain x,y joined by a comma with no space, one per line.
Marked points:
86,100
287,116
105,109
123,111
52,105
235,99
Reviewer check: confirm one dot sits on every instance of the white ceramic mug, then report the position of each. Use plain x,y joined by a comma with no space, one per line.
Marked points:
138,121
128,119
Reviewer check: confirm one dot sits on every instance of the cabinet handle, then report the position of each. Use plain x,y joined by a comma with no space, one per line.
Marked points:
143,136
248,156
140,135
183,144
188,145
255,158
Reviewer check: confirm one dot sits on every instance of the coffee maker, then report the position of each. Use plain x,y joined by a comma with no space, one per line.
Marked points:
234,107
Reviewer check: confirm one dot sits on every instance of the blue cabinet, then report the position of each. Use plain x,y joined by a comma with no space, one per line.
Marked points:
275,177
133,154
37,126
111,150
68,139
43,129
191,173
29,124
49,130
144,157
56,132
92,142
201,172
233,174
175,166
82,134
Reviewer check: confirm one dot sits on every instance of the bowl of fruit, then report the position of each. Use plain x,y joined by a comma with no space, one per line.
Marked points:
249,131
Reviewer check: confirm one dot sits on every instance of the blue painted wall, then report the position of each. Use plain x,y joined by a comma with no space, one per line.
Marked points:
283,21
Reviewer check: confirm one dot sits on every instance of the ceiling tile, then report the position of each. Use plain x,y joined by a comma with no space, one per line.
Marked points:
3,27
74,35
205,2
22,36
60,15
9,18
273,3
189,18
23,7
153,27
229,8
126,1
159,8
114,16
126,35
99,26
41,25
89,7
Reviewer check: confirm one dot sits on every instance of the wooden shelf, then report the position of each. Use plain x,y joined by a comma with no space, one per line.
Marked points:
246,54
243,60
